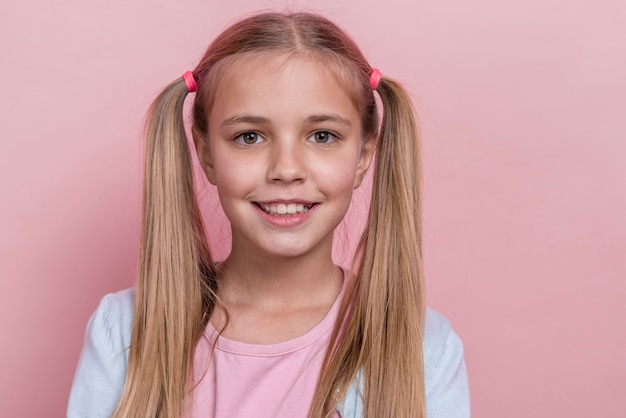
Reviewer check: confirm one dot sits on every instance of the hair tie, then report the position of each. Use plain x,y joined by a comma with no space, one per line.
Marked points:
190,81
375,78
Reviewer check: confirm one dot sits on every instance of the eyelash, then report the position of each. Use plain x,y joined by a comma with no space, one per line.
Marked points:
241,138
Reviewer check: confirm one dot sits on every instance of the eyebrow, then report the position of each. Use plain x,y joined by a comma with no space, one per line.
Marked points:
323,117
234,120
330,117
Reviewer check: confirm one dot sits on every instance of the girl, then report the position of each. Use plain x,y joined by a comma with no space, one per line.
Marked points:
285,125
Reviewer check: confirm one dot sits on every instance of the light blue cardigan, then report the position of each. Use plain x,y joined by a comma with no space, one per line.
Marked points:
101,369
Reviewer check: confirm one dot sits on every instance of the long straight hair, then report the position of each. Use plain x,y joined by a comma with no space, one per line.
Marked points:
379,327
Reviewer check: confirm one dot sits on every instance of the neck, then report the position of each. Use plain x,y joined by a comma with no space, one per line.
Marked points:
253,279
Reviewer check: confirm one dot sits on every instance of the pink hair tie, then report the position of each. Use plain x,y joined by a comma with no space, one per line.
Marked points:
190,81
375,78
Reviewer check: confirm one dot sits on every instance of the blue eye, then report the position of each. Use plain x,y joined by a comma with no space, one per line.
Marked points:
249,138
323,137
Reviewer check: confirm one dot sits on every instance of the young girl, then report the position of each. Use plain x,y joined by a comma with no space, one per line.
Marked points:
285,124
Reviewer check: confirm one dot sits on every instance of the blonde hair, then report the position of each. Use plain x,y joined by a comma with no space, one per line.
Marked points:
379,328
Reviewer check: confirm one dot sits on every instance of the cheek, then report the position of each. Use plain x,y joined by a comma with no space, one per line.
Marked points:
339,174
229,168
231,178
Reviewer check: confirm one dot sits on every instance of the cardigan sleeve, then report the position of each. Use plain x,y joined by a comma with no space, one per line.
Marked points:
101,371
445,374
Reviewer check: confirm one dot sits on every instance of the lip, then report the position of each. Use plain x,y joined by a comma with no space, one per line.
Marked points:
284,201
285,220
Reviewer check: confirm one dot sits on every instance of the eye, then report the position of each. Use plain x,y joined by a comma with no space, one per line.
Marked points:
248,138
323,137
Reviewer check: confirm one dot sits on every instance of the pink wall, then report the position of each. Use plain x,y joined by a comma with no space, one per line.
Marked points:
522,105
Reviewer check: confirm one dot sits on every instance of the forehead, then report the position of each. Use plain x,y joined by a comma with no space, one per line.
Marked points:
275,81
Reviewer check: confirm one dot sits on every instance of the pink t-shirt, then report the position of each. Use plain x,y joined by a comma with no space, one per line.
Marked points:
261,381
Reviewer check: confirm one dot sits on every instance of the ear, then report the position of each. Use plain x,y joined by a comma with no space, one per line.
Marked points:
365,159
203,150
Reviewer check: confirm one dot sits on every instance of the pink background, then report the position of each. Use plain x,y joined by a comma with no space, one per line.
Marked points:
523,108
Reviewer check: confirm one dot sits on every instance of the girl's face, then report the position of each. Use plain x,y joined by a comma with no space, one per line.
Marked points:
285,151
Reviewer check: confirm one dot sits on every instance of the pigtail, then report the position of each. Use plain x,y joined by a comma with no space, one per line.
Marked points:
392,258
176,284
383,308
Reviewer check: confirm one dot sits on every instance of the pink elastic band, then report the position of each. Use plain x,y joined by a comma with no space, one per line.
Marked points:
375,78
190,81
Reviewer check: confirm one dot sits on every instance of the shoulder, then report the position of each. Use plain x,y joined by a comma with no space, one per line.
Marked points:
112,322
116,310
438,337
445,374
101,370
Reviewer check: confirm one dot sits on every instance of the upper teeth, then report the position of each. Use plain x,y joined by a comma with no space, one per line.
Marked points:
285,209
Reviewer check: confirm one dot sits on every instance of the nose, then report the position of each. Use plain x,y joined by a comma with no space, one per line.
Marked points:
287,162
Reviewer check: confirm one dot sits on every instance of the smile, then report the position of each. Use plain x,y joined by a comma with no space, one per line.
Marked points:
280,209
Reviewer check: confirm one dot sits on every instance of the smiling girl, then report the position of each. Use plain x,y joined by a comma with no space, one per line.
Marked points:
285,124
